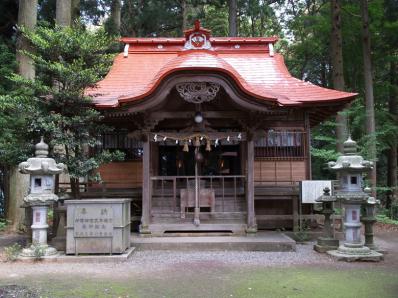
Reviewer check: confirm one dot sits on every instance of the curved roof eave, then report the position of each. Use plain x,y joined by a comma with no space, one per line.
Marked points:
258,75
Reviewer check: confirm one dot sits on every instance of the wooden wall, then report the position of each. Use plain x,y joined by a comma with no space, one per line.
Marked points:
279,172
126,174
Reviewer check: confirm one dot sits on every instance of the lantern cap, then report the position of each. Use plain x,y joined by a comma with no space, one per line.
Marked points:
350,147
41,148
41,164
326,197
351,161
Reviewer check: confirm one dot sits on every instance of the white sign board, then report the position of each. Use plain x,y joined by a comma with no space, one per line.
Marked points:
313,189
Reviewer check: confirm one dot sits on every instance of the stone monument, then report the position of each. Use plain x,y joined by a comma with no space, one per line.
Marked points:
41,195
350,168
327,241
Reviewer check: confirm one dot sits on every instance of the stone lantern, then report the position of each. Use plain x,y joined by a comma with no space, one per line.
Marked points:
350,168
326,242
41,195
368,219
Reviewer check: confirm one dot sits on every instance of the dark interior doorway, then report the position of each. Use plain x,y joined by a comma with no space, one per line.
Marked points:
221,160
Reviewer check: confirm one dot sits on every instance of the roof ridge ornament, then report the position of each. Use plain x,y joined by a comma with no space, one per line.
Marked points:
126,50
271,49
197,38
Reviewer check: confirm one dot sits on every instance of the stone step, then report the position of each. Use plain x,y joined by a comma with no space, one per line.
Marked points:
262,241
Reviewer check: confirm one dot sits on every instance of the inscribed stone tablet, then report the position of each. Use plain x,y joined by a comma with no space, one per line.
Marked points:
93,221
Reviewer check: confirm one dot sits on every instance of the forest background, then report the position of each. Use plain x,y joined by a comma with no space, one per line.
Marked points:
349,45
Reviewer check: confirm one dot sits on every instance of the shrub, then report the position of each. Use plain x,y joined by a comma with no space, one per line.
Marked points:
38,252
12,252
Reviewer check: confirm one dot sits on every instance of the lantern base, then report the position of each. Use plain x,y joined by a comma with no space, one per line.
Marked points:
355,253
325,244
38,251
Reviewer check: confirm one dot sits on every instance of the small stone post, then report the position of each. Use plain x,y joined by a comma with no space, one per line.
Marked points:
41,195
350,167
327,241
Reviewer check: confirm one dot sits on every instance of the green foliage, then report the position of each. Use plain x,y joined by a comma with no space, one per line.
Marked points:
7,66
152,18
69,60
307,25
3,224
12,252
258,18
386,220
216,18
14,106
38,252
302,234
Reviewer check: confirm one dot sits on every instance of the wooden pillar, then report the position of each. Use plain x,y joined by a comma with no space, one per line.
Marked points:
308,146
251,216
296,218
146,186
243,158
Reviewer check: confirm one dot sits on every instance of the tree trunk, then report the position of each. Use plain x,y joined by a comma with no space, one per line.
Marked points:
233,17
18,184
184,11
392,152
63,13
75,188
75,13
336,48
369,99
115,17
27,17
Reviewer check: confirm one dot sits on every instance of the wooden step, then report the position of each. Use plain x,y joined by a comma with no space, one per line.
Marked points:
262,241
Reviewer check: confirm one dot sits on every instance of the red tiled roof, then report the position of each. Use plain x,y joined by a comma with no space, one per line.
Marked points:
247,61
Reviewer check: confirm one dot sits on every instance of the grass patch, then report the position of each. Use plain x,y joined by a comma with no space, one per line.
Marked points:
239,282
309,282
83,287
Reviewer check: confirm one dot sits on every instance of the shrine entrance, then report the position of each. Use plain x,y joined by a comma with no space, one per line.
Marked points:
200,184
173,98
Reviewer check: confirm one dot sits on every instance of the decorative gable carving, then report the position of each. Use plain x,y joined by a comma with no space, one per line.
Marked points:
198,92
197,38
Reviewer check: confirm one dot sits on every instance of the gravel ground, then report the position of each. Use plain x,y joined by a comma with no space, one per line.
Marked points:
150,262
147,262
173,273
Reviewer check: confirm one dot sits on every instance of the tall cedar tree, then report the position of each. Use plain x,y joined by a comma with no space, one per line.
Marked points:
233,17
369,98
69,60
336,47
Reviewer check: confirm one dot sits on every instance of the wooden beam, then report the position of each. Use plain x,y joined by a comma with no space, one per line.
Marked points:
284,216
234,135
191,114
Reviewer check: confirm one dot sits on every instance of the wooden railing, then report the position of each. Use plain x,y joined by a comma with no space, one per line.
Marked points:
229,191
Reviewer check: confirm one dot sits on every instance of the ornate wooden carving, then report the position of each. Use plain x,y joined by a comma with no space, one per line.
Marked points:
198,92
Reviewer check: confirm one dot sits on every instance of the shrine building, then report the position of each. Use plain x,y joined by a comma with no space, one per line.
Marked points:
215,130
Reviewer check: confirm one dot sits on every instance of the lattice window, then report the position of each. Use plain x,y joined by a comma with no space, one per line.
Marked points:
281,144
118,140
